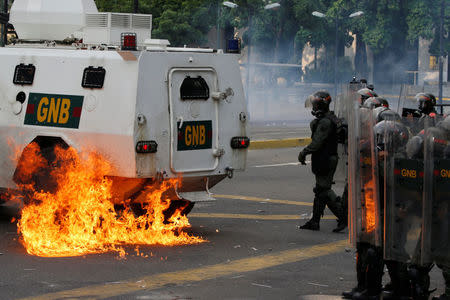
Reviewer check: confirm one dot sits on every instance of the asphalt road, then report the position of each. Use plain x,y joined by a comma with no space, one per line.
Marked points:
254,249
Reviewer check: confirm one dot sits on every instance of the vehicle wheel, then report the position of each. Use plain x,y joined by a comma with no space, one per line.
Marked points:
175,205
38,177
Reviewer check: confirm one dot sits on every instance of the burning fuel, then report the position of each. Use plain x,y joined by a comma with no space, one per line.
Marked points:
77,216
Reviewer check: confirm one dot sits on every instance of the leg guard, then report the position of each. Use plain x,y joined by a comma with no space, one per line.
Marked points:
320,201
335,205
361,264
374,272
398,273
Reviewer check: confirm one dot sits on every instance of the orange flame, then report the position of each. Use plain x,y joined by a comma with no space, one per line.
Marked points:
79,217
369,190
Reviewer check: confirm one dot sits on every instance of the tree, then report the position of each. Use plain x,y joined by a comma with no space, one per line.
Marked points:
181,22
424,22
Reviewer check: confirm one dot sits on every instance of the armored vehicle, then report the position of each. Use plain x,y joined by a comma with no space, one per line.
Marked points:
88,80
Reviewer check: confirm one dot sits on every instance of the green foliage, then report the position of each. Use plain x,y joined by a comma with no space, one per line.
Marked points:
388,27
181,22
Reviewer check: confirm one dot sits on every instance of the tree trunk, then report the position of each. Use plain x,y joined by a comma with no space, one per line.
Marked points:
360,57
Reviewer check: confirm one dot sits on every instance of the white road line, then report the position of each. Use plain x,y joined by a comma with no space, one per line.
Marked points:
280,165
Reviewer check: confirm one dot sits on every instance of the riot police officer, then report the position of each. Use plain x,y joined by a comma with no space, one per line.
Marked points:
427,103
372,103
441,255
323,149
392,137
369,264
426,108
432,145
365,94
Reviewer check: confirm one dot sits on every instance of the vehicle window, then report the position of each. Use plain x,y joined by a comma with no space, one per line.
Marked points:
194,89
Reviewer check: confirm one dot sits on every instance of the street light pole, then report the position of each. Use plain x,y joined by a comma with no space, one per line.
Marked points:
441,53
3,24
218,23
336,56
336,27
271,6
249,51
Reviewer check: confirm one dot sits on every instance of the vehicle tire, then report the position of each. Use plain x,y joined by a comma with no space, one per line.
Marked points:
175,205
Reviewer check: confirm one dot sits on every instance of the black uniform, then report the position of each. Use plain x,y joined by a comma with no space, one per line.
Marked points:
323,149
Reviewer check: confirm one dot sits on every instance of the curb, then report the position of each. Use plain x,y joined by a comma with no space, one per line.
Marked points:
284,143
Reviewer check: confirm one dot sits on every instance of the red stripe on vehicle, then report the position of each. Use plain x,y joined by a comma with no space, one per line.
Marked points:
76,113
30,109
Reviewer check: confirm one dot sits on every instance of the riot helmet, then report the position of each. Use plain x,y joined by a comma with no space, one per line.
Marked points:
320,103
388,115
445,126
414,147
365,94
383,101
376,113
427,102
391,135
371,103
437,136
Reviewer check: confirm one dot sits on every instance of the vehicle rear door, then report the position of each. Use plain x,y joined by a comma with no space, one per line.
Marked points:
193,120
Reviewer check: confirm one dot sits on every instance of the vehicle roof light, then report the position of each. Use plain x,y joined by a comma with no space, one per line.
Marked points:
129,41
234,46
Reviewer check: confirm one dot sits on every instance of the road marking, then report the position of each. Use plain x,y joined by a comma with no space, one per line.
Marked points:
256,217
257,199
158,281
413,97
280,165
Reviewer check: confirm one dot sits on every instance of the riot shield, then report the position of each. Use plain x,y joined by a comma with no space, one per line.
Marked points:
341,111
403,190
436,211
363,179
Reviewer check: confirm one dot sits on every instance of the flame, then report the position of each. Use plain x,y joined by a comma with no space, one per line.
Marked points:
370,214
79,217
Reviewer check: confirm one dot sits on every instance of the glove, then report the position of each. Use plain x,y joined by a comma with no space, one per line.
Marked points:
302,158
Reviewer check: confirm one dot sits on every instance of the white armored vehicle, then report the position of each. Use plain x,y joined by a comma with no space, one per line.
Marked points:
91,80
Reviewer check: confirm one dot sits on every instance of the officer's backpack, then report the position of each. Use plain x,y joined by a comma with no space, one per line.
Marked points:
341,128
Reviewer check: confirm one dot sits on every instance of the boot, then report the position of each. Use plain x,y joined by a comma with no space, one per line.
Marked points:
360,272
311,225
340,226
420,281
335,205
318,208
374,274
442,297
400,286
365,295
349,294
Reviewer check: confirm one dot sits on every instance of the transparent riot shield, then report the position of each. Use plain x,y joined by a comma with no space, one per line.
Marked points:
363,179
436,208
403,189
